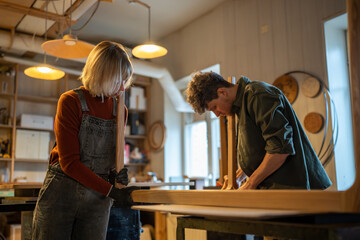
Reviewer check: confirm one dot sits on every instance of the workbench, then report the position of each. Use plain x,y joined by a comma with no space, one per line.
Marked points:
262,222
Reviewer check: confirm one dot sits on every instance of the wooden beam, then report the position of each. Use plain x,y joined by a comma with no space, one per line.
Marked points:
32,11
231,146
224,156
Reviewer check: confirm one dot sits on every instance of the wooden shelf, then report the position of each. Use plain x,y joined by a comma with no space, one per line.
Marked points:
35,129
5,126
7,95
135,136
31,160
5,159
38,99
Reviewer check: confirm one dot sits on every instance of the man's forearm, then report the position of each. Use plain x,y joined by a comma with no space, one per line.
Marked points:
270,164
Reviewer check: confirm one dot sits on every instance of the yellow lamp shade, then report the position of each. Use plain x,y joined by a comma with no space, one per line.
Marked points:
69,47
44,71
149,51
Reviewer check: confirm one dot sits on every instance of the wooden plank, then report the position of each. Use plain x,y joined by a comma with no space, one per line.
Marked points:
12,167
223,148
304,200
231,146
218,212
120,138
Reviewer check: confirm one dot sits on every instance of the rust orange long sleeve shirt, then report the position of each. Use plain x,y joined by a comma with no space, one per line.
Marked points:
67,126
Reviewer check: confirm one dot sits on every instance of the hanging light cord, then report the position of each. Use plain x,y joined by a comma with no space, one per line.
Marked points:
149,17
87,21
149,24
46,13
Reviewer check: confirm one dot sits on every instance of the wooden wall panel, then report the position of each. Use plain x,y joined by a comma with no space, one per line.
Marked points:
265,34
279,41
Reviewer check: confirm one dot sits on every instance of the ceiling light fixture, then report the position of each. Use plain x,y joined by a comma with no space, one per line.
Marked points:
44,71
148,50
69,47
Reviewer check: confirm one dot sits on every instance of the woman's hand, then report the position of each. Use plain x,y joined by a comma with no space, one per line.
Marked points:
120,177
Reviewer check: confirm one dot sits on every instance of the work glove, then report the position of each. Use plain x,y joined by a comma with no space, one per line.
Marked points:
122,196
120,177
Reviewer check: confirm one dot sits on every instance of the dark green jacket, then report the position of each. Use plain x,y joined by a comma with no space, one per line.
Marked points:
266,123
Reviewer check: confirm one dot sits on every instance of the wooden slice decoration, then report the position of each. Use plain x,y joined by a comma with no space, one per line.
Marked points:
313,122
157,136
288,85
311,87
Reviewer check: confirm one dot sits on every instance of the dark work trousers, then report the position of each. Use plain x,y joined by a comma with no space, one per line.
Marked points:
67,209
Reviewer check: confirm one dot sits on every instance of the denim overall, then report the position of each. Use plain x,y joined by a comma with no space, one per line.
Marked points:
68,210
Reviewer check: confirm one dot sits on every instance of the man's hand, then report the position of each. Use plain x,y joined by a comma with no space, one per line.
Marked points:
247,185
122,196
120,177
240,176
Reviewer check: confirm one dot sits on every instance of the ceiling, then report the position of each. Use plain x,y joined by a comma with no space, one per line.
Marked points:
124,21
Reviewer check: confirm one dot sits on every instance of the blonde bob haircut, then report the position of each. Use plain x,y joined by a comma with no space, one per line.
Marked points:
107,66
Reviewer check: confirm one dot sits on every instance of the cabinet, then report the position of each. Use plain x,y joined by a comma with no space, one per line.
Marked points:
20,94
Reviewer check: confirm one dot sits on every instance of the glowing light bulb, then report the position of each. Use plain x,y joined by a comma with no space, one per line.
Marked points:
70,42
149,48
44,69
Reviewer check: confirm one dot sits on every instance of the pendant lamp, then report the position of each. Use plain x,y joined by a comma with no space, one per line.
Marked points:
44,71
69,47
149,49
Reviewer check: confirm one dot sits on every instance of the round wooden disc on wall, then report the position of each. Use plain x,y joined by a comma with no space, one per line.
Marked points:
157,136
311,87
313,122
288,85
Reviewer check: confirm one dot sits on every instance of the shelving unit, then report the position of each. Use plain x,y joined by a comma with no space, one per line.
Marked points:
21,94
40,97
139,140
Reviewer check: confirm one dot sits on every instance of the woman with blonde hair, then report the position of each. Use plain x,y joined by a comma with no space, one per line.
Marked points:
76,197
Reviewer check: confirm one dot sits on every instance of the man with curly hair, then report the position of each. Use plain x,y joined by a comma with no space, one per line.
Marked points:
272,147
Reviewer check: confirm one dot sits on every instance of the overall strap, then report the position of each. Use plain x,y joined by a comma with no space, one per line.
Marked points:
114,107
80,93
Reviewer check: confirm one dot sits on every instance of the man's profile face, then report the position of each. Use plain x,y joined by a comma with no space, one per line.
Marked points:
220,106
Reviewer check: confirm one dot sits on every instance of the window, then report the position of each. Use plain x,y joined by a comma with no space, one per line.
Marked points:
338,77
196,149
202,146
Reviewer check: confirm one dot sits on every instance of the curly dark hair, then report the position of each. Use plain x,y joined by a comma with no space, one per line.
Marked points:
203,88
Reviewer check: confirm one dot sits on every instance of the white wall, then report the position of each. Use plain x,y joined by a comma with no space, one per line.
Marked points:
262,40
157,113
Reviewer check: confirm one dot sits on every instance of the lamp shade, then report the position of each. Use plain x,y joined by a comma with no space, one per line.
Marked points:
44,71
149,51
69,47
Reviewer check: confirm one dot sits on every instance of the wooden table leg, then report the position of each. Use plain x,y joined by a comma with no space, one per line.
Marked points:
160,226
